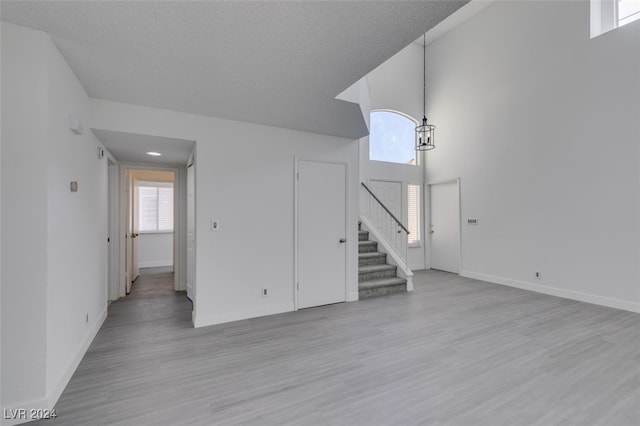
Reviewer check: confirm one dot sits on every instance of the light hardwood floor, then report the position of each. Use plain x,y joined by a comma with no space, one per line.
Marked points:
455,351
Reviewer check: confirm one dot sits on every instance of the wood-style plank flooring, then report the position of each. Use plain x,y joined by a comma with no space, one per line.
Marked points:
455,351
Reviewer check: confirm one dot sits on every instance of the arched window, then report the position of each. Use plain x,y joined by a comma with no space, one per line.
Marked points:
392,137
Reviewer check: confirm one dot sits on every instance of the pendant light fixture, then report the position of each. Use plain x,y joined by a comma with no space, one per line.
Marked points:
425,132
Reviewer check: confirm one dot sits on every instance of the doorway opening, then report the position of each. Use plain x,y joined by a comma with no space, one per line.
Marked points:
150,246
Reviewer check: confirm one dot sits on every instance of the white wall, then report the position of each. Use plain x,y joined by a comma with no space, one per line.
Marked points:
77,224
245,181
24,215
54,241
397,85
542,125
155,249
1,405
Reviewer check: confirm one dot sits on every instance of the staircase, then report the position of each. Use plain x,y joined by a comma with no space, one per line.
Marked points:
375,276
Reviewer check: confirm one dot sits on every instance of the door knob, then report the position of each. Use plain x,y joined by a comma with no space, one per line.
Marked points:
343,240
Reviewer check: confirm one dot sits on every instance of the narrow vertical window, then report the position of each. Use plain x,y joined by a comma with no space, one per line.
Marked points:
628,11
413,210
607,15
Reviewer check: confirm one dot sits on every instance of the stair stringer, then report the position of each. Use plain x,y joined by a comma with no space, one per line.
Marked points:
393,258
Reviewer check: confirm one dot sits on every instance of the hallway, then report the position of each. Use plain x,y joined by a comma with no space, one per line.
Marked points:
152,298
129,356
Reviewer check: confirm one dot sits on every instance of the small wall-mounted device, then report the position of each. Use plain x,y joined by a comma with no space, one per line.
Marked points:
75,125
472,221
265,292
215,225
100,153
74,186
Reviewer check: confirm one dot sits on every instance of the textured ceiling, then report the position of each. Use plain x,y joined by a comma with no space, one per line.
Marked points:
132,148
279,63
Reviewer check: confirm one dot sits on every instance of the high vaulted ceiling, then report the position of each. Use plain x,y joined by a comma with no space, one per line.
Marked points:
279,63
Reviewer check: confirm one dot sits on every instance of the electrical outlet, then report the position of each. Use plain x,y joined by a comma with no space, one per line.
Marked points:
215,225
265,292
538,275
472,221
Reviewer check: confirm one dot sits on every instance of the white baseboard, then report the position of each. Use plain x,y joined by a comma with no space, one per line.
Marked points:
353,296
49,402
73,365
206,320
155,264
417,267
554,291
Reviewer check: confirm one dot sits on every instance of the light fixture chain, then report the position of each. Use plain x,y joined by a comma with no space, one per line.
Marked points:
425,132
424,75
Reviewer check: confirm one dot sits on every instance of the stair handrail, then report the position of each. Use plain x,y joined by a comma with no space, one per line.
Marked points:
385,208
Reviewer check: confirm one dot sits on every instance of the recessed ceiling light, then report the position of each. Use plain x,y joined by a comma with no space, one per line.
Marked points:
154,154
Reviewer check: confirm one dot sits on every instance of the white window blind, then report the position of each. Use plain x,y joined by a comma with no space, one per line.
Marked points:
155,207
165,209
628,11
413,210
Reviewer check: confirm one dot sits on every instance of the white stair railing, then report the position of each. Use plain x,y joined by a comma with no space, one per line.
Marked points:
387,225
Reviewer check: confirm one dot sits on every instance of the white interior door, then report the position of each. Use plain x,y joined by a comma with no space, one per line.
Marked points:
132,234
128,230
321,233
445,227
390,193
191,216
134,226
135,231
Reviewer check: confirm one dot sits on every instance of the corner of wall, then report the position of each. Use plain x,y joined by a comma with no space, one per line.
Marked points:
24,85
207,320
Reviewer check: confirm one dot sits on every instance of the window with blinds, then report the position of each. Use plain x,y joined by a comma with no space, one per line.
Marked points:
413,210
628,11
155,207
